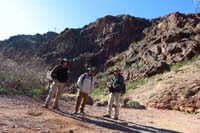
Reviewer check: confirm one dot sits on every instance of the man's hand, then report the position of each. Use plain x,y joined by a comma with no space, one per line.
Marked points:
116,86
76,85
109,84
122,94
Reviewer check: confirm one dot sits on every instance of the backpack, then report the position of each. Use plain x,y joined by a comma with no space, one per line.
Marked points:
84,79
123,90
48,75
49,72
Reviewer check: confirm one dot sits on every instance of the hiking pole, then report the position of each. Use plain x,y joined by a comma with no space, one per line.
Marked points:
68,91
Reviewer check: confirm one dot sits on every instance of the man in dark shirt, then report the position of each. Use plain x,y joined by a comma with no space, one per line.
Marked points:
59,76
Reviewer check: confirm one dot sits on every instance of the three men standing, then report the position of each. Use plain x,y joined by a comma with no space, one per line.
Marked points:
85,85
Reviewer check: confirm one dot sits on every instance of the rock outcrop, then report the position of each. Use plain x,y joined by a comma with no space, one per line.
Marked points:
141,47
22,47
184,97
169,39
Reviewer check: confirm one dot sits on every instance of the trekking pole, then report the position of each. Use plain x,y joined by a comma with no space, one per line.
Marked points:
68,91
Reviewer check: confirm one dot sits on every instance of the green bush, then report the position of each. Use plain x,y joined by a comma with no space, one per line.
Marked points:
36,92
134,104
97,93
2,90
110,68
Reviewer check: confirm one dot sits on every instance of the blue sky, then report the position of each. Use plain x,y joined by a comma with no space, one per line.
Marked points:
41,16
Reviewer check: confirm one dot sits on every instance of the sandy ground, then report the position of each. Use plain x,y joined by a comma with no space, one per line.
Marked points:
19,114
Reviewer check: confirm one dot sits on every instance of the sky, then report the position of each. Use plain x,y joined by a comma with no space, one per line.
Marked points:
41,16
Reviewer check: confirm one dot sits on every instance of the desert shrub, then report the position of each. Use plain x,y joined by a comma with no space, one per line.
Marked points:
152,94
20,79
134,104
97,93
2,90
36,92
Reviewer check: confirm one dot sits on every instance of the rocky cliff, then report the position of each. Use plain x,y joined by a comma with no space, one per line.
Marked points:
141,47
23,47
96,42
170,39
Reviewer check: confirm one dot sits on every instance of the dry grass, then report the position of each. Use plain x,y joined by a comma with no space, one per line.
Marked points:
19,78
158,84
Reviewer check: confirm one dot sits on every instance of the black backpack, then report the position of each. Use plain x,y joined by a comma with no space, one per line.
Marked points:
123,88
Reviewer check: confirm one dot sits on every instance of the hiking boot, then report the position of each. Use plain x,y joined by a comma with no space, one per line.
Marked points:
45,106
116,118
56,108
83,113
75,113
107,115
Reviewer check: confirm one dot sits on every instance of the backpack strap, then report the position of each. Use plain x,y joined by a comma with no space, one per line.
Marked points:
83,78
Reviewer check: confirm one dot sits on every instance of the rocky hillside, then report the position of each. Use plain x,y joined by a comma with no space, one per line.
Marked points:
178,89
24,47
91,45
141,47
95,43
170,39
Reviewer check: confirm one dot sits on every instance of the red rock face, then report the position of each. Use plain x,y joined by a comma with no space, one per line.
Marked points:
183,98
95,43
170,39
141,47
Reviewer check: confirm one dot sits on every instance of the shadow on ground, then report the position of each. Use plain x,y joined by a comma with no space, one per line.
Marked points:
118,125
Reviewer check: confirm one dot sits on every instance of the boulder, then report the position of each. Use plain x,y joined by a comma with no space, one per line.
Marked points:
198,27
157,68
183,97
101,103
173,38
197,37
90,101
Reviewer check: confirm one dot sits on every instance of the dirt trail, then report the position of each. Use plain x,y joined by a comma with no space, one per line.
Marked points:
24,115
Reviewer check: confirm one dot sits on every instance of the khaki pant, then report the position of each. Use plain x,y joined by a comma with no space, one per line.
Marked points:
81,100
113,97
56,89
